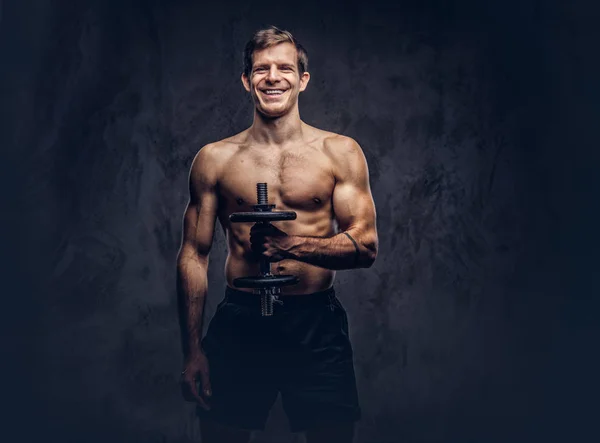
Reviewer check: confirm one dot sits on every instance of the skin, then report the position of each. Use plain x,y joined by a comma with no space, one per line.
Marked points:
320,175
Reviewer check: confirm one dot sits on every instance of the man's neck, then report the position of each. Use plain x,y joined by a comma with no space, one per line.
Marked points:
276,131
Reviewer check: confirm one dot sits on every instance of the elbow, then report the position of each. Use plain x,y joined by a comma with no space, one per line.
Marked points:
369,260
183,260
371,253
190,257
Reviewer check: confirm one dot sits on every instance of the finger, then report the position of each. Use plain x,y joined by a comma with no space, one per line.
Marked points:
205,383
190,394
185,391
189,389
206,390
193,389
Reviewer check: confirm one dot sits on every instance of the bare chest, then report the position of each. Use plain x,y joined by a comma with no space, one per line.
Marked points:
297,179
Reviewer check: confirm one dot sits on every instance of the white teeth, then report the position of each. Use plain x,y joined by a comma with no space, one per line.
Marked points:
273,91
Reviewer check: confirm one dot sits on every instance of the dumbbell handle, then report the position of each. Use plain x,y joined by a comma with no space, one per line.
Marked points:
262,198
265,264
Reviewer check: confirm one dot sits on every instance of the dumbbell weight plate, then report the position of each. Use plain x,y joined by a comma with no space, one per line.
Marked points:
262,216
274,281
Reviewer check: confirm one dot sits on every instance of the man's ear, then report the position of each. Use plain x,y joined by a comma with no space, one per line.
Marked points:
304,79
245,82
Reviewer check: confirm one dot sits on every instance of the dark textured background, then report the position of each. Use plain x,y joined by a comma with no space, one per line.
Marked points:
477,323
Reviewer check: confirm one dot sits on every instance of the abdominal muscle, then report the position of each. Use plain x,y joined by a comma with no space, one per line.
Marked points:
242,263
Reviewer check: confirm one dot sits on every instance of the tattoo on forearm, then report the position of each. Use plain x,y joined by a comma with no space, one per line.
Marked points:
355,247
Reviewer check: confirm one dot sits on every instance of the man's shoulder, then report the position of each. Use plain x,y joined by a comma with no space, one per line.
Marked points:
210,158
218,151
345,153
336,145
226,145
332,142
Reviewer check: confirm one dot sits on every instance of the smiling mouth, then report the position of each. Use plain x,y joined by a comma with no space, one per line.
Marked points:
273,92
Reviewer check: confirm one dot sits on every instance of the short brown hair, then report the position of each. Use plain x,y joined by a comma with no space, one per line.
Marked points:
271,36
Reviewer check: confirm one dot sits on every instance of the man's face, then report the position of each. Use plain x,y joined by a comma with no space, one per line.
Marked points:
275,80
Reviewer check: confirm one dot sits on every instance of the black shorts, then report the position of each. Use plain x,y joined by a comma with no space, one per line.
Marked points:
303,351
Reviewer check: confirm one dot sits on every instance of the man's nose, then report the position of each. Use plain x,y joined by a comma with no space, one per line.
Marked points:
273,74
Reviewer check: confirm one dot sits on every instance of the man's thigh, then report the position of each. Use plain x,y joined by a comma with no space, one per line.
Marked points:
319,389
243,390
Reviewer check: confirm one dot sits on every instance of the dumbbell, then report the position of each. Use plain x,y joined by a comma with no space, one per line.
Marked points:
266,284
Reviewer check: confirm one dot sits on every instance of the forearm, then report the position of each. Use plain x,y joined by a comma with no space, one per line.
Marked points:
192,287
336,253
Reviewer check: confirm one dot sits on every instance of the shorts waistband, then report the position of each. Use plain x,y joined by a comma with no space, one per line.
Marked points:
300,301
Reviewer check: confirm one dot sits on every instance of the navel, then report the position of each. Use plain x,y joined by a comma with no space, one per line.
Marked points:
240,201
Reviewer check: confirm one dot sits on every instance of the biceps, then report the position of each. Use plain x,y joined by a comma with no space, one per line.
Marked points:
353,207
199,224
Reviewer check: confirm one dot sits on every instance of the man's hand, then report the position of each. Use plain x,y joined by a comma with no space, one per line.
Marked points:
196,367
268,241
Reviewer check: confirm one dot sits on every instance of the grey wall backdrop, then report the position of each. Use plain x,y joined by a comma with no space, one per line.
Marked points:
478,120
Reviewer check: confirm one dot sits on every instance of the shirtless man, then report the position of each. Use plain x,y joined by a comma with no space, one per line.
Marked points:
303,350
